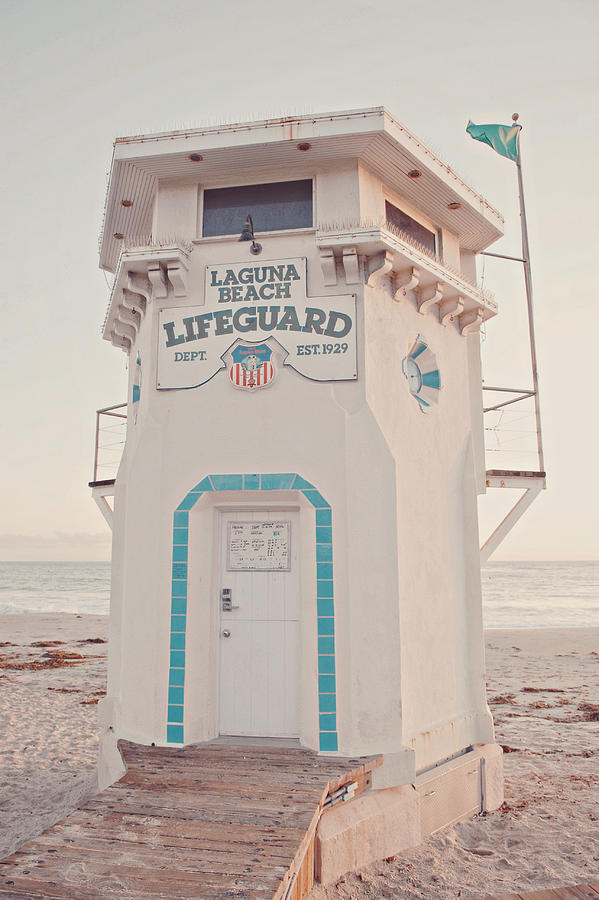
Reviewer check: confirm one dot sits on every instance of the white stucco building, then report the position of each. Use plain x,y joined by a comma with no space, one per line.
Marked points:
295,549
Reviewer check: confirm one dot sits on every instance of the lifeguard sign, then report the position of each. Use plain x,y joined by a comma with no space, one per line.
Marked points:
266,302
300,562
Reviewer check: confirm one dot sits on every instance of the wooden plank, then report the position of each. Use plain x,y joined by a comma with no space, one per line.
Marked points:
277,846
130,888
196,859
575,892
499,897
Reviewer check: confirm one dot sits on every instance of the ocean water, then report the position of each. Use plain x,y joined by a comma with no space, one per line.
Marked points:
75,587
540,594
515,594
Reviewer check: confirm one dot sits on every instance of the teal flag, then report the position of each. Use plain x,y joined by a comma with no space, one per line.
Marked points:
502,138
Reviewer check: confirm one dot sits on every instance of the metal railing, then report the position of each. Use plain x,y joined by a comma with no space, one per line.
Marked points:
111,432
511,435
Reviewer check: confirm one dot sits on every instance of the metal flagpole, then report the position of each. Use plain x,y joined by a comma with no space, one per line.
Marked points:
528,284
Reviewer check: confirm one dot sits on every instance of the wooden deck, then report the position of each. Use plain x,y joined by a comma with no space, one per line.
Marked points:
201,822
576,892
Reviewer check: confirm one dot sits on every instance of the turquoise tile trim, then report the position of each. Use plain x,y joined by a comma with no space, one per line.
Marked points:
178,659
188,502
180,519
324,517
177,677
227,482
178,623
179,588
325,626
180,552
324,589
174,734
324,553
178,606
300,483
324,571
325,586
325,606
175,714
326,684
326,665
324,534
204,485
180,536
326,644
277,482
328,722
328,740
177,641
175,695
315,498
327,703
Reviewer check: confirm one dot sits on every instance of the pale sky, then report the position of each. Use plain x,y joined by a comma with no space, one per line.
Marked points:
76,74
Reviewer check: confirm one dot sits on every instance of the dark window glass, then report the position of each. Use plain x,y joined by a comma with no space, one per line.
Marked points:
273,207
406,223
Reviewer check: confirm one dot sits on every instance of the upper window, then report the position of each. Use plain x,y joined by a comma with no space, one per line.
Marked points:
404,222
273,207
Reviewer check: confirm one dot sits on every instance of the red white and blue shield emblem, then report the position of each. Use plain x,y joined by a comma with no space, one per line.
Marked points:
252,368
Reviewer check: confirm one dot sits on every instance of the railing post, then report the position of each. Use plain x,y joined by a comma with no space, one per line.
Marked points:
95,478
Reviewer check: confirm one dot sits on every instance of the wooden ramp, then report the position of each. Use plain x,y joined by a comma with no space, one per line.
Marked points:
199,822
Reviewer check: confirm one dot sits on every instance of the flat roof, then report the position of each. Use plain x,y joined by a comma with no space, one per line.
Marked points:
269,147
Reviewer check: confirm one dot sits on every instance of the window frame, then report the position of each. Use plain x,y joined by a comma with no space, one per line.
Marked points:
408,210
252,182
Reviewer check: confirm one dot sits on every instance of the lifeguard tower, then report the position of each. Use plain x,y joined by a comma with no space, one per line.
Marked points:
295,543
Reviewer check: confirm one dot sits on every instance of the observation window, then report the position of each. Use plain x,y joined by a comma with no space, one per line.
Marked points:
410,226
273,207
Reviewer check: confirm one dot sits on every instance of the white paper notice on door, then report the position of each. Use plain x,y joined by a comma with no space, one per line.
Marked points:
258,547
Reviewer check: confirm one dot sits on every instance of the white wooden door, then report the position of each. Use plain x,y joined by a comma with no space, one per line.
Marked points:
259,637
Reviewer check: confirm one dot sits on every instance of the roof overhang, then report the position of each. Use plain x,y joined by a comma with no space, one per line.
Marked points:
370,136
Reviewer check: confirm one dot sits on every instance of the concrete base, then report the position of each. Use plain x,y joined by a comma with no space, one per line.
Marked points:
388,822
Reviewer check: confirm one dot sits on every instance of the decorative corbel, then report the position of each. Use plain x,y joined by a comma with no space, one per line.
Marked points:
177,275
450,309
133,302
378,266
327,263
471,322
138,284
128,316
119,341
158,281
124,330
405,281
351,265
429,296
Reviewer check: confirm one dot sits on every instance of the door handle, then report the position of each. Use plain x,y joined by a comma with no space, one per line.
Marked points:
226,632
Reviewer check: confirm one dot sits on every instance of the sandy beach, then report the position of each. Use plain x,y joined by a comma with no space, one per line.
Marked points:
543,688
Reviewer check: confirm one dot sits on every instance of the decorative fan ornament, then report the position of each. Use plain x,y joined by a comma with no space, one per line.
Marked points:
422,373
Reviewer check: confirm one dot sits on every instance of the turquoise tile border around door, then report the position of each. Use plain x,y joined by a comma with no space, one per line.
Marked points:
323,601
